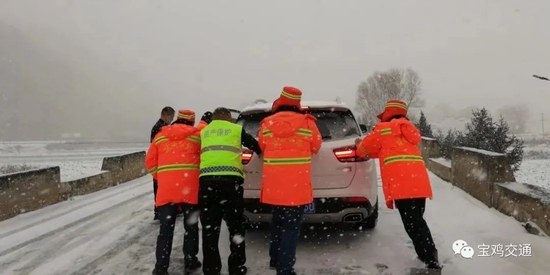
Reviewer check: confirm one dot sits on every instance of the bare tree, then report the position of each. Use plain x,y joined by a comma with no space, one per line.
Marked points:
380,87
516,116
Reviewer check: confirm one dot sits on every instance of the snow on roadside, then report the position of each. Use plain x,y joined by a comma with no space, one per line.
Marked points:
74,160
442,161
76,169
70,169
534,172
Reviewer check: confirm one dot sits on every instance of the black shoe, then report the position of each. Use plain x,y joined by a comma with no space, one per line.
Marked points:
160,272
288,273
241,270
273,264
192,266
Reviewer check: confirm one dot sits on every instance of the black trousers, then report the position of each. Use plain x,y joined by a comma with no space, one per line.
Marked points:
221,198
412,215
167,215
285,234
155,189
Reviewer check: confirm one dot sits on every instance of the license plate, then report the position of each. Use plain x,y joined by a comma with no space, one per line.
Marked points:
309,208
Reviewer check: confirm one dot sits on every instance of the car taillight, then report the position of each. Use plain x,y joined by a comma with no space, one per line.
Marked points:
246,156
354,199
348,154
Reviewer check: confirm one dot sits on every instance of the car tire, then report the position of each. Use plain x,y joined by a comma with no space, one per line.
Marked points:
370,222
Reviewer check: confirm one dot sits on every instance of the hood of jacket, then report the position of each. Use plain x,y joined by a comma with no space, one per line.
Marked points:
178,131
284,124
403,127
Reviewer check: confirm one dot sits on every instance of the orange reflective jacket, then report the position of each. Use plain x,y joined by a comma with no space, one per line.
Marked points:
288,141
202,124
173,159
403,172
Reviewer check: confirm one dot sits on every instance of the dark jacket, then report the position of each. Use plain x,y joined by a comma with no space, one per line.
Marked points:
250,142
156,128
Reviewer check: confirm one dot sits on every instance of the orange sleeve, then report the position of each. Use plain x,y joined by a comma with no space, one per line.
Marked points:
151,159
316,138
371,144
411,133
261,138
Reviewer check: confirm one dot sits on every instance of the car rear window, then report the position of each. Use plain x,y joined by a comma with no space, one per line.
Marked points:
234,114
333,125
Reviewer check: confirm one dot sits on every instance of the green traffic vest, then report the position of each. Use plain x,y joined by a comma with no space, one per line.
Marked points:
221,149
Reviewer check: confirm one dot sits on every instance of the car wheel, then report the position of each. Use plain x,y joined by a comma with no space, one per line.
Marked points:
371,221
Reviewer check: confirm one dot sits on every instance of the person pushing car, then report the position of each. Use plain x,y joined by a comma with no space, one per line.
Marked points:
221,191
173,159
288,139
405,181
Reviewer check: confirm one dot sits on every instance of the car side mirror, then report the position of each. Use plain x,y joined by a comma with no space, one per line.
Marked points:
364,128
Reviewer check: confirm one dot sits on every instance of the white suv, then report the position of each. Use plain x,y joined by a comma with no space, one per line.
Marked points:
345,188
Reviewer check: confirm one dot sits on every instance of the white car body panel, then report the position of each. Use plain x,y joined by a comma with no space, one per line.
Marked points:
330,177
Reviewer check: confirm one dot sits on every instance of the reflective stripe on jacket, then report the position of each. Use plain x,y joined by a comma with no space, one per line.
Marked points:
173,159
403,172
221,149
288,140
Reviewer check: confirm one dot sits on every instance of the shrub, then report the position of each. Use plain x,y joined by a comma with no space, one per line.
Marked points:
484,133
424,127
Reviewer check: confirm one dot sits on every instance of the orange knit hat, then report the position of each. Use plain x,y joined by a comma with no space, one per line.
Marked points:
393,108
290,96
186,115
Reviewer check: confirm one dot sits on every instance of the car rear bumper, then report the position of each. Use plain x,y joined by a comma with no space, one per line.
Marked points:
328,210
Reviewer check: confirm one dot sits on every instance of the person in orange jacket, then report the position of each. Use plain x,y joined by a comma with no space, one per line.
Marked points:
173,159
205,120
405,181
288,139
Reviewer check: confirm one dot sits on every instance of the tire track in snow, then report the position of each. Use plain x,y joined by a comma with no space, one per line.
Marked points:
54,248
38,222
91,268
146,247
67,226
66,242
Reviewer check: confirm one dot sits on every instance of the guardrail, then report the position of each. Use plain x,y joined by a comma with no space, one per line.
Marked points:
30,190
488,177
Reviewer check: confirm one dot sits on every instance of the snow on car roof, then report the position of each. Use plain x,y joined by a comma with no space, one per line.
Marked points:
312,104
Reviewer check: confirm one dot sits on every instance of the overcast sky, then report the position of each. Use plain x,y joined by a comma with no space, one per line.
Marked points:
203,54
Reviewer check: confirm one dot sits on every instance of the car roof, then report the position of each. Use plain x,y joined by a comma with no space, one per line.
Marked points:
266,107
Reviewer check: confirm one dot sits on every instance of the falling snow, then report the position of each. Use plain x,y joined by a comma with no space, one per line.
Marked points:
478,174
237,239
193,218
79,245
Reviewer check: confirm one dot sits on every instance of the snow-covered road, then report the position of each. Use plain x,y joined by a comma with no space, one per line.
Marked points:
112,232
